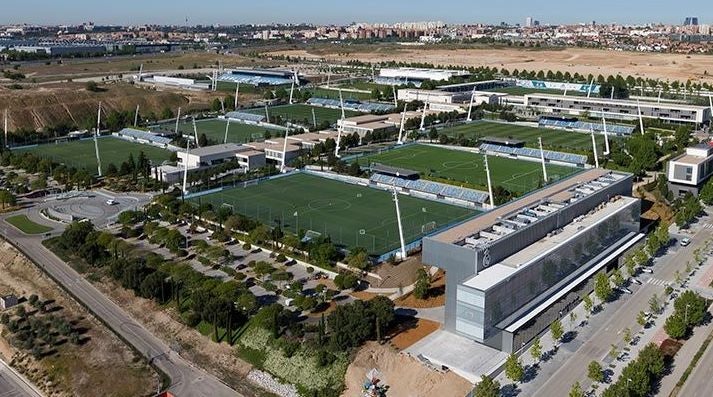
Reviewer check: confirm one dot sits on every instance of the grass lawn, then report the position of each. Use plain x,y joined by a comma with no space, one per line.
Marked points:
366,86
81,153
465,168
564,141
302,114
334,94
214,129
25,225
353,216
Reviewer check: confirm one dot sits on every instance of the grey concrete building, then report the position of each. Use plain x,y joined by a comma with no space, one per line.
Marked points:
511,271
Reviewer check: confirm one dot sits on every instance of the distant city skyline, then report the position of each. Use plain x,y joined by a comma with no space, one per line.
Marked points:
226,12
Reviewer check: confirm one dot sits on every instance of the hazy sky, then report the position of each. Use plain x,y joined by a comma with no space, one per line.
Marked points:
345,11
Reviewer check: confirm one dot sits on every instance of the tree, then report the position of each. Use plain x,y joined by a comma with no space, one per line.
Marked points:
487,387
627,335
202,140
556,329
588,304
346,281
7,198
617,278
641,318
595,372
536,349
602,288
423,283
92,86
358,258
692,307
655,303
675,326
576,390
513,368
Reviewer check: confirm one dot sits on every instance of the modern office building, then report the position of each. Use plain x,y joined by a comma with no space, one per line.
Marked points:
512,271
618,108
365,124
688,172
420,74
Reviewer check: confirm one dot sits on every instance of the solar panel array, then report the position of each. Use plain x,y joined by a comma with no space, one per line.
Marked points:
436,188
253,79
144,135
364,107
587,126
243,116
535,153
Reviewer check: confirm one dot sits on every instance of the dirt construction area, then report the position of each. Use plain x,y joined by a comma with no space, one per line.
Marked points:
583,61
89,369
405,376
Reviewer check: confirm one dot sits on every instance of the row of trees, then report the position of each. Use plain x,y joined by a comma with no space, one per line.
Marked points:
690,311
640,376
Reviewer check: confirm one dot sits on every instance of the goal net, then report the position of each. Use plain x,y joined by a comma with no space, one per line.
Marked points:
310,235
428,227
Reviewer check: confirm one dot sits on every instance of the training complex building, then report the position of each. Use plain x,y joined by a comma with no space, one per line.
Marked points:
688,172
512,271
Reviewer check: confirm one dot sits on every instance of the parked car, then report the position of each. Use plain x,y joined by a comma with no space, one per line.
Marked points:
647,270
635,280
624,289
112,202
685,241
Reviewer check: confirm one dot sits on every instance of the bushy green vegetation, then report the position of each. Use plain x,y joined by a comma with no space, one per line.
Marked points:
690,311
640,376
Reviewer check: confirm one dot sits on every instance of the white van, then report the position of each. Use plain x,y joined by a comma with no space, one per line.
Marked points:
112,202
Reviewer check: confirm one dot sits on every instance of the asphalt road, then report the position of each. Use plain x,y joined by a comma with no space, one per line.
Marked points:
13,384
700,382
599,344
186,379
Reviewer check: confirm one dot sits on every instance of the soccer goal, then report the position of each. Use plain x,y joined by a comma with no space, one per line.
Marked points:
428,227
310,235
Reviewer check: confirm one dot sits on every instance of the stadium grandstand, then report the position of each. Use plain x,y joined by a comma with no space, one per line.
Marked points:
584,126
259,77
139,136
357,106
550,155
456,194
245,117
396,81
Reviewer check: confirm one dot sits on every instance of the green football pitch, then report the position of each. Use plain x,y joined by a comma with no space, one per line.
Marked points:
331,93
352,215
81,154
566,141
465,168
214,130
302,114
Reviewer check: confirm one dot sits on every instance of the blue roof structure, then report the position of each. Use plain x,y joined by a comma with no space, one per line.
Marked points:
535,153
243,116
616,129
441,189
364,107
144,136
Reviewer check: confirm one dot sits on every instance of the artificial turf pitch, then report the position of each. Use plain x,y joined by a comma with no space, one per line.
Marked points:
302,114
214,130
465,168
81,153
566,141
352,215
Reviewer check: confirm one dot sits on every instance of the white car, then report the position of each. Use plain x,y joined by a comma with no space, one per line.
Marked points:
624,289
635,281
685,241
646,270
112,202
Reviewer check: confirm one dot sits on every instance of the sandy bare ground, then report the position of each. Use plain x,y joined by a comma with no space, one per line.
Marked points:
87,370
583,61
405,375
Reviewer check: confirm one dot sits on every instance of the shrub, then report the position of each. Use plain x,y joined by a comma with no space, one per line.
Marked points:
281,258
247,247
346,281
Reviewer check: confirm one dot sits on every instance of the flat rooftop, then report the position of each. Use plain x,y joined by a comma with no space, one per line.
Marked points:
366,118
626,102
466,229
216,149
690,159
501,271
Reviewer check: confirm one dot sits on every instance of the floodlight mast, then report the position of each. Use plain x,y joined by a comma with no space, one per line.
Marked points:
237,92
341,103
398,220
641,118
7,145
284,150
396,100
423,115
185,168
470,107
141,71
401,129
710,102
594,148
292,91
606,136
136,116
314,119
490,184
589,89
96,139
222,104
178,118
329,74
542,158
227,127
267,114
195,132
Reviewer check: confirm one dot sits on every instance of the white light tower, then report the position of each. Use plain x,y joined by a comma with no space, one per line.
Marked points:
178,118
660,91
641,118
222,104
401,129
710,103
341,103
398,219
490,184
136,116
339,138
542,158
606,136
284,150
565,91
314,119
267,114
227,127
329,74
237,92
589,89
396,100
470,107
141,72
195,132
594,148
423,116
96,139
185,168
292,91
